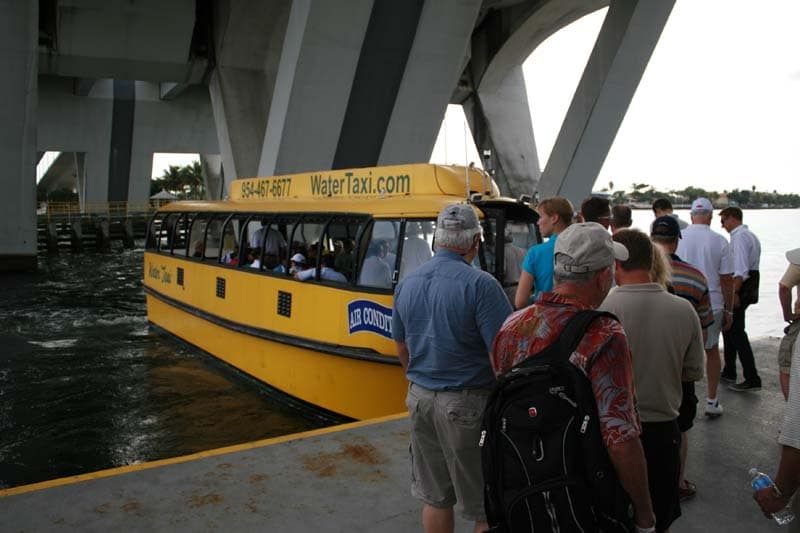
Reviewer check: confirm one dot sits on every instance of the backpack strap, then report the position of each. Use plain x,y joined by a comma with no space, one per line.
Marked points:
572,334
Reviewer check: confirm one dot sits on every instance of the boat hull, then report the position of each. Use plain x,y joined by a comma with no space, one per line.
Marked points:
349,386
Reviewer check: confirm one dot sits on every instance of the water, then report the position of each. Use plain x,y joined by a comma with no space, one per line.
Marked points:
779,231
86,384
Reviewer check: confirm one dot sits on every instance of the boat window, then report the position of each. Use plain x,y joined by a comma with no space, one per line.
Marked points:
197,235
378,250
521,234
519,237
180,232
264,242
214,236
306,237
339,243
153,231
487,253
231,232
417,245
161,231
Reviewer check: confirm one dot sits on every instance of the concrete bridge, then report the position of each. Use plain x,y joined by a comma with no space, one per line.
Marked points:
263,87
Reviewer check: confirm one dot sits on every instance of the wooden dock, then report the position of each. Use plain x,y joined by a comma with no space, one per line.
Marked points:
68,227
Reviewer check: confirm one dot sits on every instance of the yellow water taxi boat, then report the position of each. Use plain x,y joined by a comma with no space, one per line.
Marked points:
223,275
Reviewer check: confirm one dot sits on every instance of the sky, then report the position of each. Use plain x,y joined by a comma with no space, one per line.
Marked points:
718,106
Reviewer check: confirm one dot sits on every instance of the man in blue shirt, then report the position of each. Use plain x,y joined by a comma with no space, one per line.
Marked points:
445,317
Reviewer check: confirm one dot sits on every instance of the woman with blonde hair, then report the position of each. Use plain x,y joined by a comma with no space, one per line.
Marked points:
555,215
661,271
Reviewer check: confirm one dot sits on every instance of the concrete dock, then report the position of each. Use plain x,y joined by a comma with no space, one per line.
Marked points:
356,478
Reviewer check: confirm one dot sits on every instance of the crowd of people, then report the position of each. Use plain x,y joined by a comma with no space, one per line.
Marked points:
674,290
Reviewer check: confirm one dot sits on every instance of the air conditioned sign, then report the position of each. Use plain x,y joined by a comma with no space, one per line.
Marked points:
364,315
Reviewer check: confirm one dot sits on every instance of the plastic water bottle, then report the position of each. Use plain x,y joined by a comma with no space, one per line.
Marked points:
763,481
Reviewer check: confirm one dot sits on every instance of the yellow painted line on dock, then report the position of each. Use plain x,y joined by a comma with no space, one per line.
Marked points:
199,455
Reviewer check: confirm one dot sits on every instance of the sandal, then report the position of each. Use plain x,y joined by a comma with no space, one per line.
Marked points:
687,491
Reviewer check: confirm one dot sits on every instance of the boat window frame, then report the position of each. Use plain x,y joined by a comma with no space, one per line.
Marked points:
333,217
173,233
208,216
240,216
363,246
218,215
403,237
261,217
151,242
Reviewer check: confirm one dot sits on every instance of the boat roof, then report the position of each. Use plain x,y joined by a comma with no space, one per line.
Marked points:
390,191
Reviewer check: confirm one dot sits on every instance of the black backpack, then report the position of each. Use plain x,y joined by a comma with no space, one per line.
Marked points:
545,465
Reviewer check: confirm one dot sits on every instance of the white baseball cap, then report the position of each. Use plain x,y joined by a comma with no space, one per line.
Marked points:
794,256
299,258
702,205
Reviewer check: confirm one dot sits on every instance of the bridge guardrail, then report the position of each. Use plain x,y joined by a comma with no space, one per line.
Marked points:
69,210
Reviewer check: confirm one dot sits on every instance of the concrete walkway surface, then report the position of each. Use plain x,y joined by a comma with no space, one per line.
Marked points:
356,478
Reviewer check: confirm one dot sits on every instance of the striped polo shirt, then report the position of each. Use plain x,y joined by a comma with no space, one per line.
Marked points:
689,283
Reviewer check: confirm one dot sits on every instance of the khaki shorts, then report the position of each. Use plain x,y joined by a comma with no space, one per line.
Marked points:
445,456
715,329
786,345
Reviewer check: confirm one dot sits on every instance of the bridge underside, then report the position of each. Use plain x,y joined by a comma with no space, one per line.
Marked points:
278,86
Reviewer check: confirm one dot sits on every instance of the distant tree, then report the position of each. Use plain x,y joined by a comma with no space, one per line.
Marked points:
742,198
185,182
638,194
696,192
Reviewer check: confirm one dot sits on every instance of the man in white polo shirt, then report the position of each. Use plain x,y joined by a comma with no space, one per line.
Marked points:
712,255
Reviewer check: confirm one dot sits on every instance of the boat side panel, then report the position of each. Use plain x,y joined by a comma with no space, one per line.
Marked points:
319,312
353,388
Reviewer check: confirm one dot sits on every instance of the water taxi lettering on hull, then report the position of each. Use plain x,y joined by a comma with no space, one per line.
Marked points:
219,274
364,315
161,274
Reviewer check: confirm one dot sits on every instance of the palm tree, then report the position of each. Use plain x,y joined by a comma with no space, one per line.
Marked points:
186,182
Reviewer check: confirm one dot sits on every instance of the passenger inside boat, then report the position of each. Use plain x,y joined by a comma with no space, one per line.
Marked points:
197,248
416,249
297,263
375,272
326,272
344,259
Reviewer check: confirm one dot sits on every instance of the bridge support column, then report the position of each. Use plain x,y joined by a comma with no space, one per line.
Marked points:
623,48
500,120
82,125
321,51
434,64
19,30
80,176
212,176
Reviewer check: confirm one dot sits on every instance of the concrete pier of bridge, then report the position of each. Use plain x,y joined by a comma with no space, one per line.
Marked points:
280,86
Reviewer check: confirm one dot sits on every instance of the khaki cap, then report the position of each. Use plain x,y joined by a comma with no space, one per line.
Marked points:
586,247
